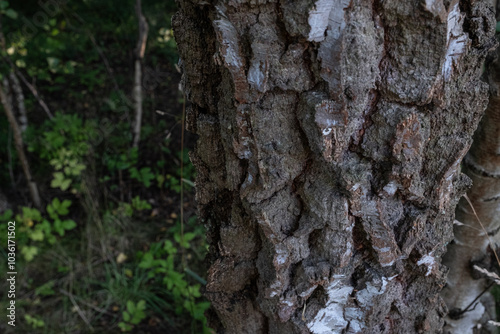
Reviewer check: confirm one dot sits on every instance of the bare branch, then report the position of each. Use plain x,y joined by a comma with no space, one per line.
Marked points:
139,56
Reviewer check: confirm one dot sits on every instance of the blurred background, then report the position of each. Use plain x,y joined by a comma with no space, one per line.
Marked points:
94,170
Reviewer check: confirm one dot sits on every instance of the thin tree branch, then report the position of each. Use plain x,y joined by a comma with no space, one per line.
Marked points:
32,89
139,56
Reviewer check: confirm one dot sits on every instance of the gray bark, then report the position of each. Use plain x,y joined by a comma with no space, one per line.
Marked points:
330,139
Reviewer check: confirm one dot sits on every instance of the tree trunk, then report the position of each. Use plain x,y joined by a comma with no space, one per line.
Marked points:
330,139
476,221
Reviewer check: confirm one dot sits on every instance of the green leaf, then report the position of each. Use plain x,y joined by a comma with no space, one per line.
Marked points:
45,227
124,327
147,261
126,316
29,252
68,224
60,181
169,247
11,13
4,4
130,307
36,235
7,215
141,305
63,208
184,242
46,289
58,227
53,63
140,204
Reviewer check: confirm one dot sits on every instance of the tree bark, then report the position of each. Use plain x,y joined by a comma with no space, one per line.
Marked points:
330,139
476,221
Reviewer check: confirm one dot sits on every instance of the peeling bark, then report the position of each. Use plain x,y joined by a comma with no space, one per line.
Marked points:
330,139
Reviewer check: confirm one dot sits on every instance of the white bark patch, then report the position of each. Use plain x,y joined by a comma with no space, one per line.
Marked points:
365,297
391,188
327,131
318,19
256,76
437,8
281,256
429,261
331,318
457,41
230,48
467,322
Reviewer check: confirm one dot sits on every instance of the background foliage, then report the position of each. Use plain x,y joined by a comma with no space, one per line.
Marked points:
107,252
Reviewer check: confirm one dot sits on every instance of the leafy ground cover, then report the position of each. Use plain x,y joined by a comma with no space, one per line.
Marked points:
109,249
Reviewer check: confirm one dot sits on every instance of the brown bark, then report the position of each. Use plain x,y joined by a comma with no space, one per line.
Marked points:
330,139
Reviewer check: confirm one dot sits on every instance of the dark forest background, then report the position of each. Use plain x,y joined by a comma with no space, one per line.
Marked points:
114,244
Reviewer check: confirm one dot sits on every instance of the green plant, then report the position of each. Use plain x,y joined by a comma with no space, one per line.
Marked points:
140,204
5,10
121,161
184,295
144,175
63,142
137,204
133,315
36,228
34,322
45,289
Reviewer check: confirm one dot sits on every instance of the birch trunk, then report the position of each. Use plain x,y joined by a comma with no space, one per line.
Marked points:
471,245
6,100
330,139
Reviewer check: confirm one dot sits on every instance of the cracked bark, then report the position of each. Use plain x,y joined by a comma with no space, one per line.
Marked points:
330,139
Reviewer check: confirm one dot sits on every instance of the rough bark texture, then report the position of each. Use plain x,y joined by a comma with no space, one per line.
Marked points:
330,139
471,245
